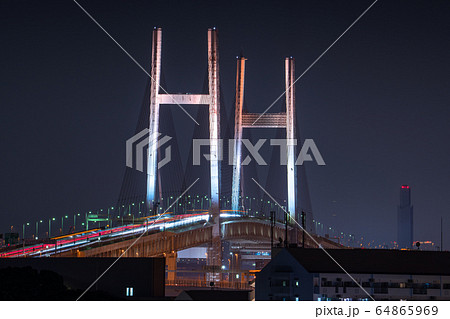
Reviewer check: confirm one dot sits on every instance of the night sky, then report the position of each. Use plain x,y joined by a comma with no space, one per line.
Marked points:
377,104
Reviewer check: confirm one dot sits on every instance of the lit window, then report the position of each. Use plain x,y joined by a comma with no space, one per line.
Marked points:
129,292
297,299
284,283
296,283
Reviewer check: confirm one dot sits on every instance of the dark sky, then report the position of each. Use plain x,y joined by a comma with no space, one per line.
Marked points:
377,104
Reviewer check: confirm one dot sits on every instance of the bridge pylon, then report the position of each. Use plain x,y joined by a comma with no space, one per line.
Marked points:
284,120
212,99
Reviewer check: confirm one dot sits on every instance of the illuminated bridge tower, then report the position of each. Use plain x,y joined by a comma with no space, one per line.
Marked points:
212,100
274,120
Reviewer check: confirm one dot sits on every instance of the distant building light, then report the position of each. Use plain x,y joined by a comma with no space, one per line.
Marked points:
129,292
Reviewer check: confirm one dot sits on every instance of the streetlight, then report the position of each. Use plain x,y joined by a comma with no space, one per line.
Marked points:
75,221
62,224
50,226
37,229
23,230
110,220
23,237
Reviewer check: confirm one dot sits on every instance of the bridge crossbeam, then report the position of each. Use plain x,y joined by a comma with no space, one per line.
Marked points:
194,99
271,120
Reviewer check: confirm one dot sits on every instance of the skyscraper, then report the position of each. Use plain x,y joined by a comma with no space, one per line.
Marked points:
405,219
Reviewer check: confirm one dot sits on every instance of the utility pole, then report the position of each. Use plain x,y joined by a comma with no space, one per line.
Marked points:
286,222
272,224
303,229
23,240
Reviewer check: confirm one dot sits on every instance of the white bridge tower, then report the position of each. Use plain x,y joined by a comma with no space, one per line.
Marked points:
266,120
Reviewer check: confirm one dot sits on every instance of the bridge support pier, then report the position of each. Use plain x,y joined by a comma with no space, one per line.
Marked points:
171,262
214,258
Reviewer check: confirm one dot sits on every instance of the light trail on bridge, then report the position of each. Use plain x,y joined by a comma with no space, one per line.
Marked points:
78,240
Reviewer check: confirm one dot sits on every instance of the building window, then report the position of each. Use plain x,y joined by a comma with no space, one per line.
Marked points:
284,283
129,292
296,283
297,298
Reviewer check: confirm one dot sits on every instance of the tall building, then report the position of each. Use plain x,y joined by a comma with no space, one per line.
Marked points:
405,219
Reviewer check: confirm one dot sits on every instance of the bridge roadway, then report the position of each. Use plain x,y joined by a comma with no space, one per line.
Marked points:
165,236
167,242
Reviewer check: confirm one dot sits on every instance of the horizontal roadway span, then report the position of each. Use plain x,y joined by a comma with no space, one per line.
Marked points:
88,238
234,225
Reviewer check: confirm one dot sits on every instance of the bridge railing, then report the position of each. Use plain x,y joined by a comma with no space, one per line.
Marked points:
206,284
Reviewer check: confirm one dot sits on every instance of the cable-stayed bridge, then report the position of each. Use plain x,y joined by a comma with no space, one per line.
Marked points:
163,210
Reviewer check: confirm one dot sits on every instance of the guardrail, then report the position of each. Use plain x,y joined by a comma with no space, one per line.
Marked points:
207,284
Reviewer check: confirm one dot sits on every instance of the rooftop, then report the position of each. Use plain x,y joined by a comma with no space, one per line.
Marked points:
373,261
